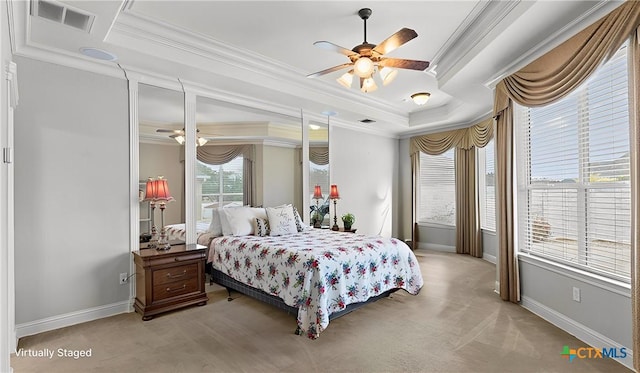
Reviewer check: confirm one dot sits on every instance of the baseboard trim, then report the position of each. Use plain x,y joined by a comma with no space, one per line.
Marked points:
436,247
72,318
583,333
489,258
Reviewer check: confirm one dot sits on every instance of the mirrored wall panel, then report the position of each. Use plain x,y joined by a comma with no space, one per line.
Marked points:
161,160
319,173
245,156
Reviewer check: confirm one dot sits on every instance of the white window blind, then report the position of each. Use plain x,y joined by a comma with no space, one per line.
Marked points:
219,185
487,186
574,175
438,188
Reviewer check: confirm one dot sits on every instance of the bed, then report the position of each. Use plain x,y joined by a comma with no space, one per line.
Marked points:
177,232
317,273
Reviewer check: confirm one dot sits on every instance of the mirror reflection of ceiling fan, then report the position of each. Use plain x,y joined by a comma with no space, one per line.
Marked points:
179,136
367,59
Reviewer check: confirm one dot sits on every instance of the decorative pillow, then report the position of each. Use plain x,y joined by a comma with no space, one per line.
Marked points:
281,220
216,226
262,227
241,219
224,222
300,225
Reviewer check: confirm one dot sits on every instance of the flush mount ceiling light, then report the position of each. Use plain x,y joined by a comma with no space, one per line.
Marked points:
368,61
99,54
420,98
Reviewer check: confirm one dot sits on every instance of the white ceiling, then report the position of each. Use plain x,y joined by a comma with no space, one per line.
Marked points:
261,51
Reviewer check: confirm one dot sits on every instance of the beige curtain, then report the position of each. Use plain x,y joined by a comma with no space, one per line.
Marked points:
469,239
319,155
465,140
634,117
546,80
415,193
221,154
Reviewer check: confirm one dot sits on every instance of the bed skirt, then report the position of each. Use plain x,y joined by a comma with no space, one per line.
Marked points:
232,284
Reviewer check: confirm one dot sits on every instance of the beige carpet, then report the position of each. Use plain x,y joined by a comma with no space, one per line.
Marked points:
456,324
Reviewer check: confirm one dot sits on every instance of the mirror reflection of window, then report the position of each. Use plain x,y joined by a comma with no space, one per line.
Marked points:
219,185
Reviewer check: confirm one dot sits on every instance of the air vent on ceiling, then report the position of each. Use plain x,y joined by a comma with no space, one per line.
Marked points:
367,121
60,13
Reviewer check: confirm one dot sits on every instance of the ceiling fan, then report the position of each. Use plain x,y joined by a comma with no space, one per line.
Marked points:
367,58
179,136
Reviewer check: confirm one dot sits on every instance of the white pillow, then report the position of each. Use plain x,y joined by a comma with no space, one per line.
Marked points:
216,226
242,220
281,220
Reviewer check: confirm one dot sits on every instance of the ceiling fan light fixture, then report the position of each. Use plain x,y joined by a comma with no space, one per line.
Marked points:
368,85
346,79
179,139
200,141
364,67
420,98
387,75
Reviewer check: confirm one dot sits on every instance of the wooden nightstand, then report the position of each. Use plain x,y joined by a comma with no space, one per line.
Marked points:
169,279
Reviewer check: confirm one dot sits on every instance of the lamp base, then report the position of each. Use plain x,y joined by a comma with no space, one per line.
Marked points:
163,246
335,228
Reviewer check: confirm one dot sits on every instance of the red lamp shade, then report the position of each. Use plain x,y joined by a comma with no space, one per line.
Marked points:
334,192
162,190
317,193
150,190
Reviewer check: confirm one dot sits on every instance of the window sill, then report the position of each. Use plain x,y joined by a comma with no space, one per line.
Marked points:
436,225
614,286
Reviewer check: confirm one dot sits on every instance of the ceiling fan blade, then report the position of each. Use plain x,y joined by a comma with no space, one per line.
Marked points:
330,70
333,47
404,64
395,40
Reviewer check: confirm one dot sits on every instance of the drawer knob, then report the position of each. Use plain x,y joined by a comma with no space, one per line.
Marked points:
178,275
178,289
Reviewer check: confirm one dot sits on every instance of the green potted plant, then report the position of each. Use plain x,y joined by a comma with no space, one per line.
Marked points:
348,219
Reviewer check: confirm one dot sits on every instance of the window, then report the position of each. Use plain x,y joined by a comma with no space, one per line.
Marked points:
574,191
438,188
487,186
220,185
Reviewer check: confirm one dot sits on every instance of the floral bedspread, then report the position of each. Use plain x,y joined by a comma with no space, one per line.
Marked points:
318,271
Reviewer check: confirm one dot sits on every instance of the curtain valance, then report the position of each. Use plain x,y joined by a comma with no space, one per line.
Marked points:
221,154
319,155
557,73
437,143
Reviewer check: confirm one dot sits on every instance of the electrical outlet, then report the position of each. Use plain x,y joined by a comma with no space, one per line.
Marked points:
576,294
123,278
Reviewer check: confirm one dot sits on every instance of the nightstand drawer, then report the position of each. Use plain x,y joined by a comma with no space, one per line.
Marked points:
173,289
161,260
172,274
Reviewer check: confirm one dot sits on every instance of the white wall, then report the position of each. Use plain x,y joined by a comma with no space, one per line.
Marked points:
164,160
279,175
72,193
363,167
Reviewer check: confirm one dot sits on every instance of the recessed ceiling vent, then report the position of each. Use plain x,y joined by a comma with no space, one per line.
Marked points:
367,121
60,13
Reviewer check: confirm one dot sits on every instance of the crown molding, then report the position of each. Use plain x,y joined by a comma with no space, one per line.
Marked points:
436,129
162,39
482,20
600,9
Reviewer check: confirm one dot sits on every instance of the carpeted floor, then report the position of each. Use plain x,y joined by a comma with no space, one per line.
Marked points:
456,324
